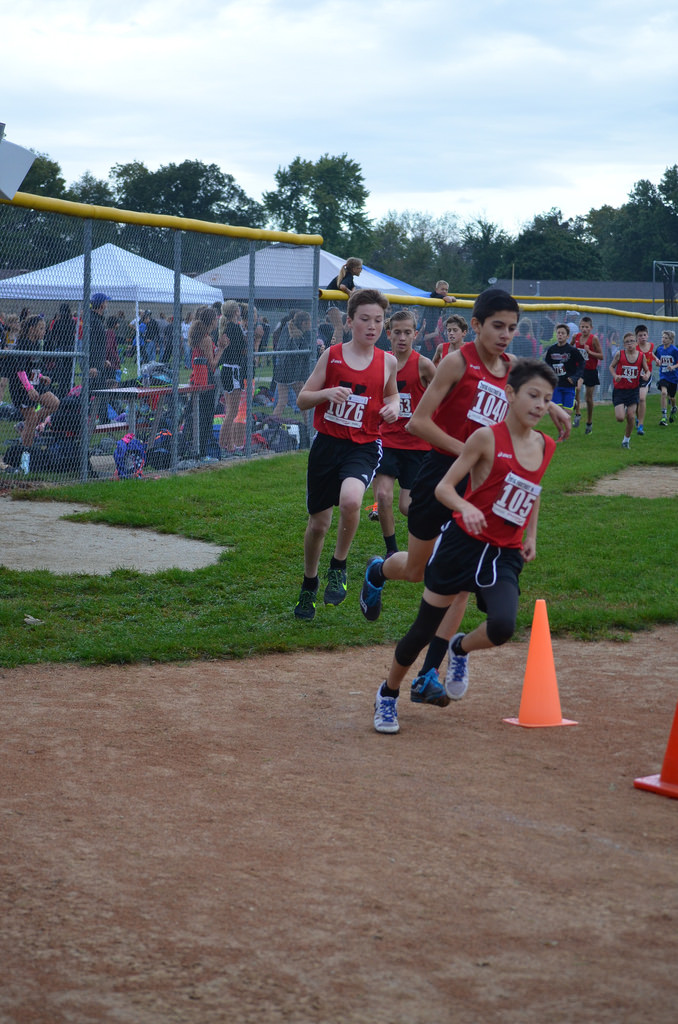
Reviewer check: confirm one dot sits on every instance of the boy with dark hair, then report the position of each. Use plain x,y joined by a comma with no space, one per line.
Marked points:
647,348
466,393
626,369
456,329
667,357
492,533
592,351
402,453
352,390
567,362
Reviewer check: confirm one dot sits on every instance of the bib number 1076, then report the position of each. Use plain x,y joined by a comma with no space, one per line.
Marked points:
349,413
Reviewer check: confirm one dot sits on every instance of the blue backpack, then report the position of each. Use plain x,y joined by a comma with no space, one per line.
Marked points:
129,457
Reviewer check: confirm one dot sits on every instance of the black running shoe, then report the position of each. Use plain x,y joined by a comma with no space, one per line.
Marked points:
335,591
305,606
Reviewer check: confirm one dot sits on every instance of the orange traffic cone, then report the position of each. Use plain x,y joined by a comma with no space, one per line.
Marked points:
667,782
540,703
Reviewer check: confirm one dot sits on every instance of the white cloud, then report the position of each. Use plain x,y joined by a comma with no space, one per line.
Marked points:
493,107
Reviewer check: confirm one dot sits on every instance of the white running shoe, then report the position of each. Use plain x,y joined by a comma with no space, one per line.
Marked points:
385,713
456,677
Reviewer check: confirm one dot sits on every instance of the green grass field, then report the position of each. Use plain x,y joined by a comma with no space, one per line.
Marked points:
605,565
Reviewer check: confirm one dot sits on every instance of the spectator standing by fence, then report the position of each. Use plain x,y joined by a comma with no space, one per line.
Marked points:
205,356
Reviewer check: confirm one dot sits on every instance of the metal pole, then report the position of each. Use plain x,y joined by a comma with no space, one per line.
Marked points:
176,350
308,416
250,349
84,355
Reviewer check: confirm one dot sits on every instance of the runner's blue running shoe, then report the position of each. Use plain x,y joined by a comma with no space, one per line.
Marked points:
370,596
428,689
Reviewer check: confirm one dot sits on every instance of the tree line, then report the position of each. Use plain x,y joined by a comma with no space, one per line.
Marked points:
328,196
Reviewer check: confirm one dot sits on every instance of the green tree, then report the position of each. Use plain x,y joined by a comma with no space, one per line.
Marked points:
642,230
189,189
89,189
324,197
31,239
44,178
485,247
551,248
418,248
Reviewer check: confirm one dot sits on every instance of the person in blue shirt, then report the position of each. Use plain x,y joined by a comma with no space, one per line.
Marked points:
667,357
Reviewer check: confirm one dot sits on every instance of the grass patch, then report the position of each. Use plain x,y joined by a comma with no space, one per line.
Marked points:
601,563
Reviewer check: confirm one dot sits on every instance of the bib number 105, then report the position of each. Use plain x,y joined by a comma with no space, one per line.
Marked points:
516,500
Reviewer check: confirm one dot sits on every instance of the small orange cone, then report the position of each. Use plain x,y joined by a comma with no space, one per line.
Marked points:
540,703
667,782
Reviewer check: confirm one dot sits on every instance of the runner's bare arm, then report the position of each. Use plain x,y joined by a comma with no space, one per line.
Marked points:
391,407
314,391
448,373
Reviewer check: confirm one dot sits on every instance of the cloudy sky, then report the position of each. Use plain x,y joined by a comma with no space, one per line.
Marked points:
488,108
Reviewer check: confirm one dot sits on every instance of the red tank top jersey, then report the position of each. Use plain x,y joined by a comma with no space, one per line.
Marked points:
477,400
629,372
410,390
649,356
591,363
508,494
445,349
357,419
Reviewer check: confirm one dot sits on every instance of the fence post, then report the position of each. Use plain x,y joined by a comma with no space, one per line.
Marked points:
176,351
84,353
250,349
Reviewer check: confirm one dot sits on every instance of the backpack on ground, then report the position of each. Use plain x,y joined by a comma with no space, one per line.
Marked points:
129,457
159,454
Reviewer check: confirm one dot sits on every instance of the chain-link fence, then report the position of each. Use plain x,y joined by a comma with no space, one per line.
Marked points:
132,343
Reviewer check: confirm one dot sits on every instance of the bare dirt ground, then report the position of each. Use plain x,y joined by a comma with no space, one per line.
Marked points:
36,536
231,841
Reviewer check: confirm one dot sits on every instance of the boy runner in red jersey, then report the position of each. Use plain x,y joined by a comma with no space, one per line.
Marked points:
493,532
626,368
647,348
456,329
467,393
352,390
402,453
592,351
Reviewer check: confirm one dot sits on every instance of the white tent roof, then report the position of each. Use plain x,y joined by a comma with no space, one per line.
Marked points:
286,272
121,275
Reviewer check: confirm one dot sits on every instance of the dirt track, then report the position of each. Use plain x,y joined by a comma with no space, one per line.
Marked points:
232,842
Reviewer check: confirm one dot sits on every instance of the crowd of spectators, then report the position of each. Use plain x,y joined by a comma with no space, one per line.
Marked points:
286,348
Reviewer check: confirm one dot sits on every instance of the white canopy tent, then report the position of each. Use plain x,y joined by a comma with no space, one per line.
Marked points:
285,272
120,274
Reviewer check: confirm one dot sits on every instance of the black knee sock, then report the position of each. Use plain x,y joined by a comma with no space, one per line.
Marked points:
437,650
420,634
391,544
